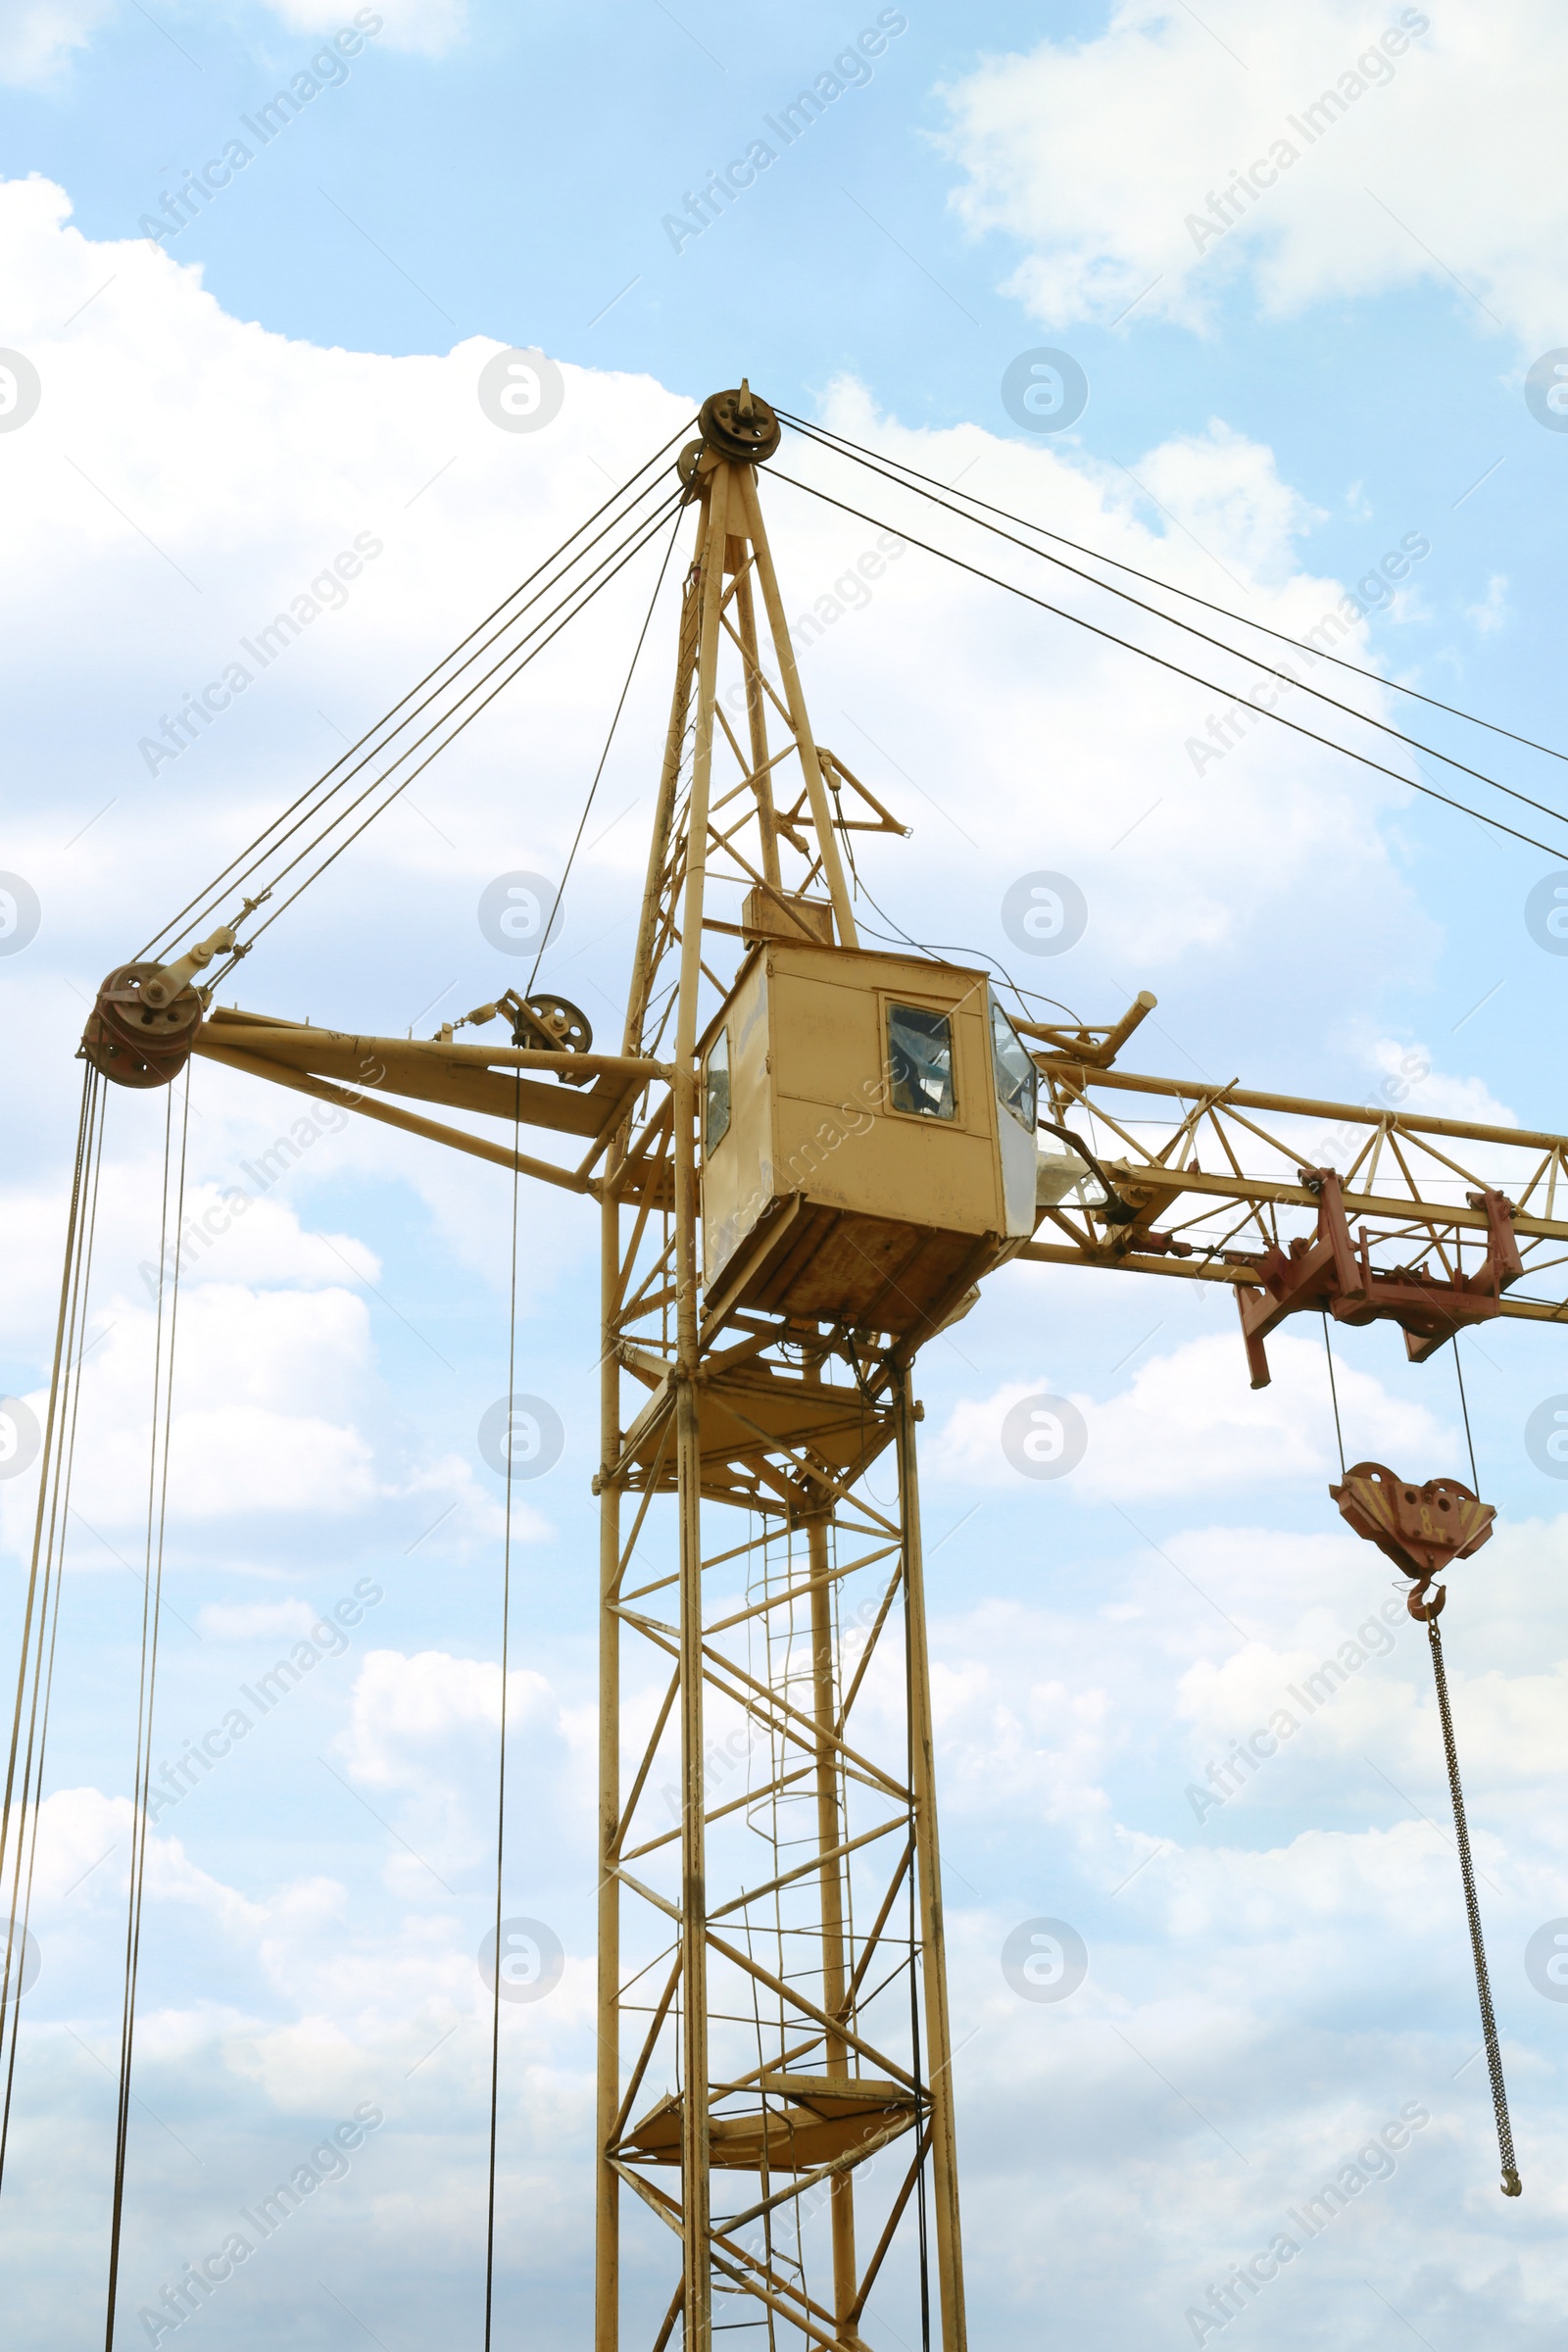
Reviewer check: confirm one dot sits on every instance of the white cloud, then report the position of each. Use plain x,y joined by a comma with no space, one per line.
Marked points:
424,1728
244,1459
225,1242
38,38
429,27
1413,1084
82,1831
265,1379
408,1710
1492,614
259,457
1104,158
1189,1424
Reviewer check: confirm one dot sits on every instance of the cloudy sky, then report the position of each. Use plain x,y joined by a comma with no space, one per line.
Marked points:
1322,381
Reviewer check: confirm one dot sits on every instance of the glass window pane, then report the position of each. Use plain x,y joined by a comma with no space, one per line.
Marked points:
1018,1079
920,1060
716,1096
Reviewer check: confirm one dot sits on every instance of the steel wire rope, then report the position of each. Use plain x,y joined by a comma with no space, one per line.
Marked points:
1430,1610
60,1358
36,1603
58,1446
939,948
152,1604
610,738
450,713
617,559
627,555
500,1761
1077,619
214,889
1510,2185
58,1515
1239,653
1334,1392
1464,1407
843,446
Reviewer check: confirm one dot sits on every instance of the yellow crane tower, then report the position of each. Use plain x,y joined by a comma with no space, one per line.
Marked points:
805,1154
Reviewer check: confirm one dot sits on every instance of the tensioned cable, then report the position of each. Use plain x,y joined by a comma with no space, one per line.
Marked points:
62,1359
53,1511
937,949
37,1604
843,446
60,1517
1110,637
227,875
604,755
501,1770
1426,1612
1511,2185
628,553
1334,1394
1464,1408
151,1620
576,588
1237,652
380,736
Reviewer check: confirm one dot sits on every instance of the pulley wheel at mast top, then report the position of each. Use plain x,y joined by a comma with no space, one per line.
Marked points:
739,425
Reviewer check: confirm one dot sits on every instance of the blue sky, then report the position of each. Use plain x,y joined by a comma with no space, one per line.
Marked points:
1271,412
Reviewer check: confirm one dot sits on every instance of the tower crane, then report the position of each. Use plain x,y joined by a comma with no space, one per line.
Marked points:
806,1154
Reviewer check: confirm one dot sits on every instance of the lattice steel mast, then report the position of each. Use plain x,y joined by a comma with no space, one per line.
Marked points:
779,1420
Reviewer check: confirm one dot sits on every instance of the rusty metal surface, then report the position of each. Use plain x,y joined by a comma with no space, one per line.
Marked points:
135,1044
1422,1529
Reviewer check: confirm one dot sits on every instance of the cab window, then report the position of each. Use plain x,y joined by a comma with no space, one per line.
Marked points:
1018,1079
716,1094
920,1060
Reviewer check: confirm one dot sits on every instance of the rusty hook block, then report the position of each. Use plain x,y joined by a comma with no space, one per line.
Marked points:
1423,1530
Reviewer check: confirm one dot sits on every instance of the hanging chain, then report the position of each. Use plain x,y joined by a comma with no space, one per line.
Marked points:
1511,2184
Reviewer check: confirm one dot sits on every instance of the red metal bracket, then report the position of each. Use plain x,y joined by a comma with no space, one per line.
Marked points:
1327,1272
1423,1530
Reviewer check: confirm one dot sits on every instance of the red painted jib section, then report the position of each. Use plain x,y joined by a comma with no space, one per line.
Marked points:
1331,1272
